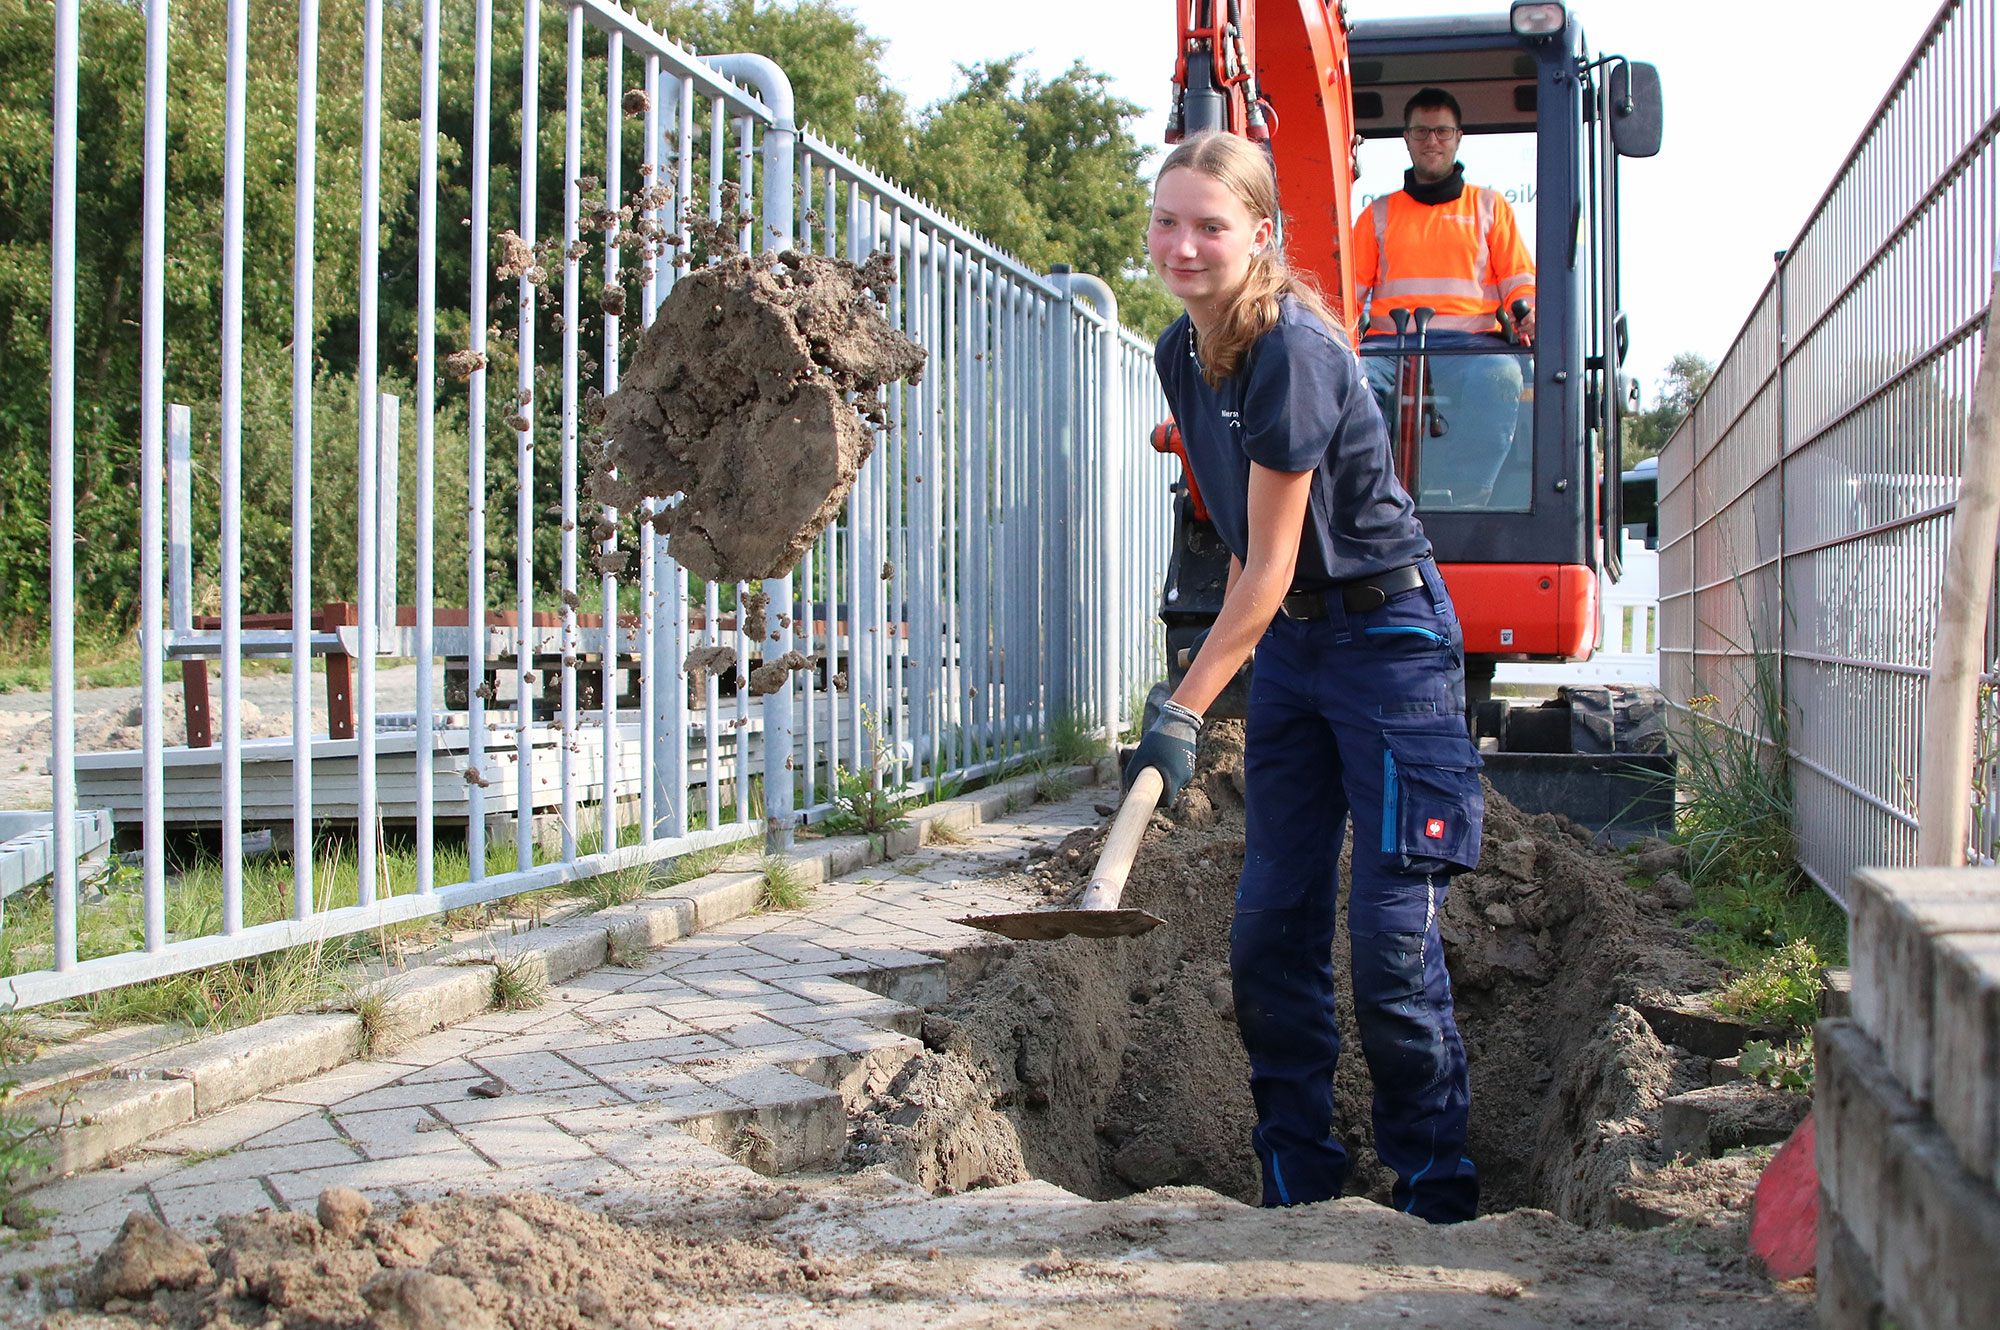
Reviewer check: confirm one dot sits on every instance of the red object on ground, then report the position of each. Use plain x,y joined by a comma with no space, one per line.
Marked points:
1784,1214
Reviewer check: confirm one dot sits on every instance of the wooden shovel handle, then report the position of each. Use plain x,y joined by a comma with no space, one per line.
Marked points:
1107,884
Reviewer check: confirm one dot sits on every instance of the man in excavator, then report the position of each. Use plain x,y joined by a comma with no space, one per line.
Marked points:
1454,248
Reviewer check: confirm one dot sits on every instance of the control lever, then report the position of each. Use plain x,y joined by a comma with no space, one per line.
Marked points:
1519,309
1423,315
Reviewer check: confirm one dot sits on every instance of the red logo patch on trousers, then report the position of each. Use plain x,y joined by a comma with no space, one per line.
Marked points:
1434,828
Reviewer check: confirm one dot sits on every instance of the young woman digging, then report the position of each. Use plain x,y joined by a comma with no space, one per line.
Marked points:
1356,704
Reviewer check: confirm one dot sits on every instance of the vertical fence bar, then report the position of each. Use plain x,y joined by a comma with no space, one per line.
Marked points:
527,408
62,486
650,768
745,238
427,243
305,192
368,408
614,141
572,315
234,116
478,771
152,462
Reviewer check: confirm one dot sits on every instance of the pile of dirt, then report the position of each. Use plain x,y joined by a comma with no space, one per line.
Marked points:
522,1260
752,396
1110,1067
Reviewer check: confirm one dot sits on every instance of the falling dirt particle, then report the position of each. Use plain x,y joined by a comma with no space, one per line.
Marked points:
702,661
570,598
487,690
536,275
888,571
519,424
755,605
770,676
473,776
517,257
738,399
611,299
146,1255
462,365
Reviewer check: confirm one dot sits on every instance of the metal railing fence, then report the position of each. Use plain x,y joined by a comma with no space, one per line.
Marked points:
1806,502
980,587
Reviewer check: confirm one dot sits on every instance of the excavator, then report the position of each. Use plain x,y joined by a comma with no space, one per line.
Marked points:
1523,550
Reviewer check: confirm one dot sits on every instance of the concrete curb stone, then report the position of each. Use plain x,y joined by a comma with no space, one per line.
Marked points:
152,1095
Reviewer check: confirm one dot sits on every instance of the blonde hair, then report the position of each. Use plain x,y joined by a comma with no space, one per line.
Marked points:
1245,170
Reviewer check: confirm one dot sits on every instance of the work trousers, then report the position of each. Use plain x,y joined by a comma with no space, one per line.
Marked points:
1361,715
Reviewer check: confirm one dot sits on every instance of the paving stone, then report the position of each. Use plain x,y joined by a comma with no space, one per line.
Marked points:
331,1087
524,1142
673,1090
380,1174
193,1209
451,1069
637,1023
316,1127
516,1022
256,1164
470,1110
226,1131
607,1056
429,1049
416,1094
391,1133
523,1072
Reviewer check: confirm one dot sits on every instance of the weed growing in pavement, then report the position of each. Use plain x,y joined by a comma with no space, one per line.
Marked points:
518,982
862,800
694,864
1073,741
1782,989
944,833
620,952
382,1031
1789,1066
784,886
22,1151
1053,786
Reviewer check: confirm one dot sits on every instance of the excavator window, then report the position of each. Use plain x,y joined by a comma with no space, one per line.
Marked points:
1459,406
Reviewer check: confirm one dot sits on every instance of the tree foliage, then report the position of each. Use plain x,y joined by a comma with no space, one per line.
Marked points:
1647,432
1047,169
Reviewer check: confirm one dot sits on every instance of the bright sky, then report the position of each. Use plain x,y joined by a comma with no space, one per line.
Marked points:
1764,99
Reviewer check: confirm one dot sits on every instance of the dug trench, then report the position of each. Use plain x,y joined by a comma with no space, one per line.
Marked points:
1110,1067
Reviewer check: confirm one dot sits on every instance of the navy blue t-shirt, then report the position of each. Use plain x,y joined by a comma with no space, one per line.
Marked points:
1297,402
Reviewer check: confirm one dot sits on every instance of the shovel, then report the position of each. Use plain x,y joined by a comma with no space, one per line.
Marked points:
1097,914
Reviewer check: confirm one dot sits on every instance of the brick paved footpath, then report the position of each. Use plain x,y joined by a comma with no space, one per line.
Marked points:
716,1054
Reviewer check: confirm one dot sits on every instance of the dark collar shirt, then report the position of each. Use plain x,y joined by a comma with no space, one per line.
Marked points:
1297,402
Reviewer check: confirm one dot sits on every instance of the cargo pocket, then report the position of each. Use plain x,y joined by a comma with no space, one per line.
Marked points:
1432,807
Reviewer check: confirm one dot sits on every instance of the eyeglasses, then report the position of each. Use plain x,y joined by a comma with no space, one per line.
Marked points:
1439,134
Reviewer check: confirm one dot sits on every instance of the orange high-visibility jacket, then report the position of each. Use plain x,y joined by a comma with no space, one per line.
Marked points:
1465,259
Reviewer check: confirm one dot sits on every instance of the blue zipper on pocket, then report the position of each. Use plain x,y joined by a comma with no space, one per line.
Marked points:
1439,638
1388,801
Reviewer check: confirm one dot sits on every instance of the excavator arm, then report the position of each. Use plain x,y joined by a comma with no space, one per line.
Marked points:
1278,75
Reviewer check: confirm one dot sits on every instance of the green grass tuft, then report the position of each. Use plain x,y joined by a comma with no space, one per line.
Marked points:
784,887
1073,741
518,983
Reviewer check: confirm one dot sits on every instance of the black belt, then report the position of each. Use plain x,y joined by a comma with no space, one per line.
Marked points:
1359,596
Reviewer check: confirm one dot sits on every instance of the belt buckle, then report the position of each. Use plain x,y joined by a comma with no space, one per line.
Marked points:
1303,606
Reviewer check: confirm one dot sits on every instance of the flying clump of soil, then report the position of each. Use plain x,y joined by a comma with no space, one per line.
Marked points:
752,397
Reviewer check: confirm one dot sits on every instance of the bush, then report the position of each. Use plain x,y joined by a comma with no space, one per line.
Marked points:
1783,989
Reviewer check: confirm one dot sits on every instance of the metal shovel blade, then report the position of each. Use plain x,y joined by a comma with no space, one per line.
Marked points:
1047,925
1098,914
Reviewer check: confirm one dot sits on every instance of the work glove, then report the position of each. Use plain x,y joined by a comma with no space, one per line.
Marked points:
1168,747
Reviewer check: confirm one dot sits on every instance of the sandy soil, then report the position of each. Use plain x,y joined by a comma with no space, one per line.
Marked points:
873,1251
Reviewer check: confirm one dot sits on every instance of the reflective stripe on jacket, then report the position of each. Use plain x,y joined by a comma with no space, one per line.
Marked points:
1464,258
